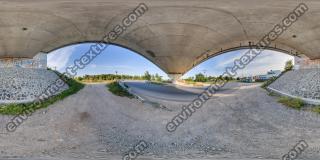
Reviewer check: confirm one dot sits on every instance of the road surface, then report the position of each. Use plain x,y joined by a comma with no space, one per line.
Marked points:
169,92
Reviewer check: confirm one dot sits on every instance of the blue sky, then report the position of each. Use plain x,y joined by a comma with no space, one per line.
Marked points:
121,60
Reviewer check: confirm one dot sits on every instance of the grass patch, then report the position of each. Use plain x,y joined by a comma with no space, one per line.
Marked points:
294,103
17,109
116,89
268,82
189,82
316,109
272,94
157,83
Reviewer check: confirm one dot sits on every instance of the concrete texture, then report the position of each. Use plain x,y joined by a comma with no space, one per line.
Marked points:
21,85
304,62
175,35
37,62
303,83
243,125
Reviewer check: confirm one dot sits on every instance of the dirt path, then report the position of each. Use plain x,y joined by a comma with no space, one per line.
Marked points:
94,124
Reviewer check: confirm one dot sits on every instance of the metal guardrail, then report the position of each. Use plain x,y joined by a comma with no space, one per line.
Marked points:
122,84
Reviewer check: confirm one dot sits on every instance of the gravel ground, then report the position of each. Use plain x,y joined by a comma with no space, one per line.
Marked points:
245,124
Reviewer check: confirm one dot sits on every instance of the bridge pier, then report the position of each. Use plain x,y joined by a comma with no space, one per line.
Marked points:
175,77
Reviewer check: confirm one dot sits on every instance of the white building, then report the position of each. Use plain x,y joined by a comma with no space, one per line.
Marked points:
270,74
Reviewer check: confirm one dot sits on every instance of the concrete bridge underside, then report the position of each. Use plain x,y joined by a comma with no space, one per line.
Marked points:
174,34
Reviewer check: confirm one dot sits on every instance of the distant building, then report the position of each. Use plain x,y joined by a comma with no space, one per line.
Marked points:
270,74
247,79
261,78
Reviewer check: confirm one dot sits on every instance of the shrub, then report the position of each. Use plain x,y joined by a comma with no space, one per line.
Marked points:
157,83
316,109
272,94
268,82
288,66
295,103
116,89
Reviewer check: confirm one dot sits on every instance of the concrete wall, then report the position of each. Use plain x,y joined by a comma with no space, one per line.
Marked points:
304,62
37,62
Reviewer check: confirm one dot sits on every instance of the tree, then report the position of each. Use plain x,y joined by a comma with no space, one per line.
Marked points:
80,78
158,78
189,79
288,66
147,76
211,78
200,78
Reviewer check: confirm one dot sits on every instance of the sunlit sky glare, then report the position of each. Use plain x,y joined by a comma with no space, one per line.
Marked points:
123,61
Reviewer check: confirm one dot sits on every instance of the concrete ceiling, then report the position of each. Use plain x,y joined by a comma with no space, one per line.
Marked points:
179,33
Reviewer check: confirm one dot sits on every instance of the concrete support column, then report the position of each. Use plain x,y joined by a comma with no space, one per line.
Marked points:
297,62
175,77
304,62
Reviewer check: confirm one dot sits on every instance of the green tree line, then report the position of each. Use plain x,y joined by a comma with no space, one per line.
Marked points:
110,77
202,78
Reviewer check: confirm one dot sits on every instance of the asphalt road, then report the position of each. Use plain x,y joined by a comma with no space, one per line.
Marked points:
169,92
164,92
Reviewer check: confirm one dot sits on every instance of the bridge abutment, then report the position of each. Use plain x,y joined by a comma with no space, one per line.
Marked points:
175,77
303,82
24,80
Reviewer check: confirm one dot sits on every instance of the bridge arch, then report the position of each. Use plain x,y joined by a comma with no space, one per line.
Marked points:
175,36
209,55
114,44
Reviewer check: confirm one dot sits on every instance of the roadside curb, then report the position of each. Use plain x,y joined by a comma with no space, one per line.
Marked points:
122,84
307,100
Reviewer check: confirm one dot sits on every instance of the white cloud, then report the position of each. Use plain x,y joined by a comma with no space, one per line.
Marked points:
110,67
268,60
93,65
60,58
226,63
230,61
